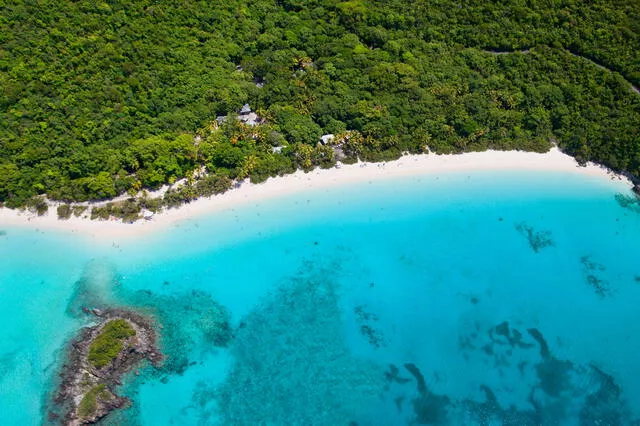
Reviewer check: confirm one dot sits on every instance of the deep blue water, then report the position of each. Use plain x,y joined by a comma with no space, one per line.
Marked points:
483,298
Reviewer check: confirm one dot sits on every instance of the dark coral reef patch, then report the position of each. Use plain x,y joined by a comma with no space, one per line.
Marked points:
291,350
593,272
538,240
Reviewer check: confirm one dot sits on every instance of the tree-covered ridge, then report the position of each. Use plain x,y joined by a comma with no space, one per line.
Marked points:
607,32
101,98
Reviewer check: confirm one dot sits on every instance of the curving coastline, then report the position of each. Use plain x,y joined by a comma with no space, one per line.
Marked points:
298,182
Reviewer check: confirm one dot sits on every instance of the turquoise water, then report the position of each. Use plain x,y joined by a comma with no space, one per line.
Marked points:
483,298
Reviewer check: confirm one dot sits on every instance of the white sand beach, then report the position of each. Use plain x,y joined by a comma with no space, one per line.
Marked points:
409,165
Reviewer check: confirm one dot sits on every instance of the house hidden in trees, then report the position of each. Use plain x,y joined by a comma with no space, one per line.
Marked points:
245,116
336,144
327,138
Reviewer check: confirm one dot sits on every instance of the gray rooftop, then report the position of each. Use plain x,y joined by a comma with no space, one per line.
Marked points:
327,138
251,118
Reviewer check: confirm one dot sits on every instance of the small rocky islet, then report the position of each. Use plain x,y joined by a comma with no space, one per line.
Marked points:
97,359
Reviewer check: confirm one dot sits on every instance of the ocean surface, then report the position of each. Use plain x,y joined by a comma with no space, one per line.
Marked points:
484,298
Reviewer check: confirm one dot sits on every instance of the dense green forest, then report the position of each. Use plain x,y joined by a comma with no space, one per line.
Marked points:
99,99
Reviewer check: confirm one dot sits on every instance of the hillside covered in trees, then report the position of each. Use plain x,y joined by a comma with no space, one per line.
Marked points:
99,99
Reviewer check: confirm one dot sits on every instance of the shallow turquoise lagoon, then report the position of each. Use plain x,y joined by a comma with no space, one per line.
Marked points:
476,298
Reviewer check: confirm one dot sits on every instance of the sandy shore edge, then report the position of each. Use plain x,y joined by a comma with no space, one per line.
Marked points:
409,165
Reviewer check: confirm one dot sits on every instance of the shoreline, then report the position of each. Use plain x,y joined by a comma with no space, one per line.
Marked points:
87,391
406,166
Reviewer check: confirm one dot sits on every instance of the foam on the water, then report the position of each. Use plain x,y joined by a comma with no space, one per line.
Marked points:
476,298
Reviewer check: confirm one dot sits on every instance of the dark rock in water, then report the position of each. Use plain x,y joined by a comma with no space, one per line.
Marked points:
513,336
490,412
502,329
537,239
554,376
538,337
415,372
600,286
186,319
429,408
604,407
393,375
592,271
553,399
488,349
364,320
629,202
390,376
636,189
373,336
96,362
363,315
